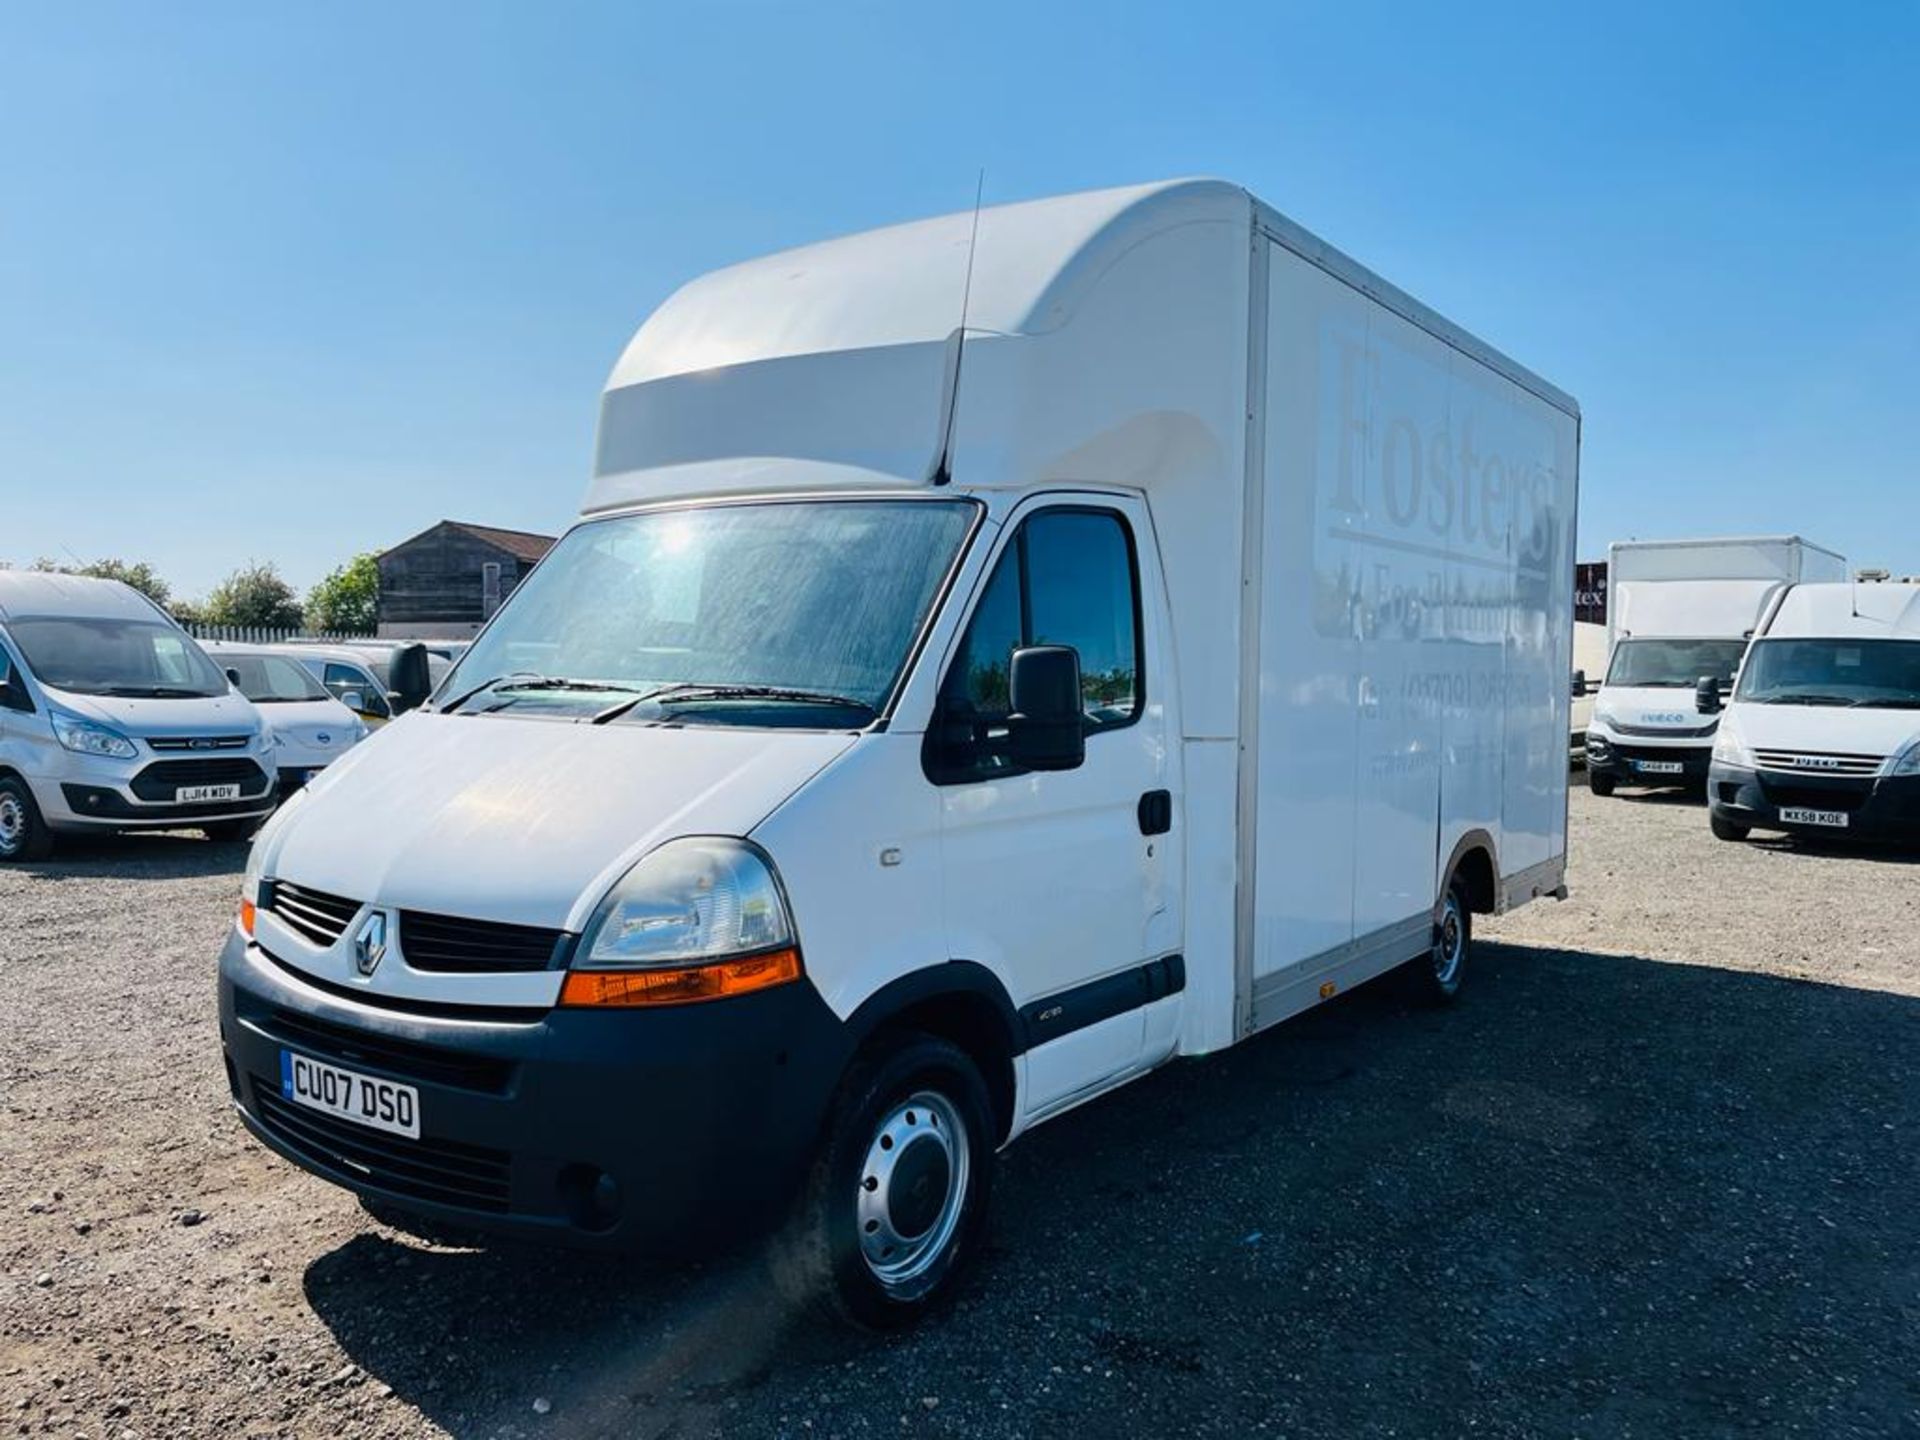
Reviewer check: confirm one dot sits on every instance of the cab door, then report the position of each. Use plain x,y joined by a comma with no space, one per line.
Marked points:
1063,882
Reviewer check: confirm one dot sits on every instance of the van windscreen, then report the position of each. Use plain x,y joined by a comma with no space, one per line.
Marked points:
770,612
1674,664
1866,674
116,657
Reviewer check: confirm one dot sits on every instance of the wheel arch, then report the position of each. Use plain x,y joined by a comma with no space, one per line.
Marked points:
962,1002
1475,862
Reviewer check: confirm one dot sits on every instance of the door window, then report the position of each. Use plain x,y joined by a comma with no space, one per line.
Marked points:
1068,577
339,679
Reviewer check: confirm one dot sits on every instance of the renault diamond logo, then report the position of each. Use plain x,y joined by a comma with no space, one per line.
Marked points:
370,944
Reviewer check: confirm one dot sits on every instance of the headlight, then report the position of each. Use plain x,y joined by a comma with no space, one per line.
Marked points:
1730,749
697,919
1907,761
90,739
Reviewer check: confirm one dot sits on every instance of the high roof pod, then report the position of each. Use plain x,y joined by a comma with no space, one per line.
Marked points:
1094,327
1888,610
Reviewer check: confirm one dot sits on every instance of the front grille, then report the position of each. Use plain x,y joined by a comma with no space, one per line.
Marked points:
403,1059
1810,763
159,780
444,1172
1669,732
197,742
447,943
313,915
1848,796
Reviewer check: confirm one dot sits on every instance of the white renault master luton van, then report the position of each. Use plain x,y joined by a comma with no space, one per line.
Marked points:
1823,733
925,729
112,718
1679,611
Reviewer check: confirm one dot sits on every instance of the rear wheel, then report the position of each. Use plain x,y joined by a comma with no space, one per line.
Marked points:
1600,784
1726,829
1434,978
894,1205
23,834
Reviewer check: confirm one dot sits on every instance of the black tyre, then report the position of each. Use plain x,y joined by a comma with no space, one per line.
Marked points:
1599,783
23,834
227,832
1434,978
1726,829
893,1208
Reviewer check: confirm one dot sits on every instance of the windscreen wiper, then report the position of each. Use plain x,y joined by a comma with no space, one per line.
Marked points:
693,691
527,680
1809,700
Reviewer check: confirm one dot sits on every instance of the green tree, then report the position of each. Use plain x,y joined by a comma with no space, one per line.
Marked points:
348,600
253,595
137,573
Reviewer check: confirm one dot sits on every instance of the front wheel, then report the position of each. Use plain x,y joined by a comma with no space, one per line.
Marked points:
1726,829
23,834
226,832
1601,785
894,1205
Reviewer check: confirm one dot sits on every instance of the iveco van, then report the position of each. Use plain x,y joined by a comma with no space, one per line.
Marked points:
1823,734
926,729
1678,612
113,718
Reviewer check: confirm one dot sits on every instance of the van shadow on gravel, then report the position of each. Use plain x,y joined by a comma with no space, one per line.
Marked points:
1600,1195
169,855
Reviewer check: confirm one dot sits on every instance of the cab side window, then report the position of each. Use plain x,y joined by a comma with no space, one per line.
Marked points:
1068,577
340,679
13,689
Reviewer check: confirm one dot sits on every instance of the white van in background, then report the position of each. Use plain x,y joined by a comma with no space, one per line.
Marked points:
113,718
916,738
362,677
1823,733
1589,667
310,728
1679,611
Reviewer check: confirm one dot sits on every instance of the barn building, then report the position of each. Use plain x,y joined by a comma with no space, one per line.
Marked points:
446,582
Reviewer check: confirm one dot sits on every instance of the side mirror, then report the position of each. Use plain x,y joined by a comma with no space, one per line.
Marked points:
1579,683
233,677
408,676
1046,730
354,701
13,694
1706,695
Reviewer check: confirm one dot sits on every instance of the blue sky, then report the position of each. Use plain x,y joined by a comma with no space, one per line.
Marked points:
285,283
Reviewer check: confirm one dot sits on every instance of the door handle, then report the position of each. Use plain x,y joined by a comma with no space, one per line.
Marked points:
1156,812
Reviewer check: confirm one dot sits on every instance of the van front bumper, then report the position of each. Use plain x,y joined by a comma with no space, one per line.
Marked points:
1627,761
653,1130
1876,807
101,793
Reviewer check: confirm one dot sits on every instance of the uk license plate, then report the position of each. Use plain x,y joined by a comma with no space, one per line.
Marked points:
192,794
1794,815
349,1095
1659,767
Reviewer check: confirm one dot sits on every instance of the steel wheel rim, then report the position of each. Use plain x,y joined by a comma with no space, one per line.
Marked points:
1449,942
912,1192
13,824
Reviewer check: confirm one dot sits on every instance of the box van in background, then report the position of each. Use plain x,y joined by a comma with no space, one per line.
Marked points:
113,718
1679,611
1589,667
310,728
923,732
1823,733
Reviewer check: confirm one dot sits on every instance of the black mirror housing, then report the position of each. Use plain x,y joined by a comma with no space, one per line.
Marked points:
1579,683
408,678
1706,695
1047,729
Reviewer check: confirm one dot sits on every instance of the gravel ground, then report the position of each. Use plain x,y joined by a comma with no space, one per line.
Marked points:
1654,1175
